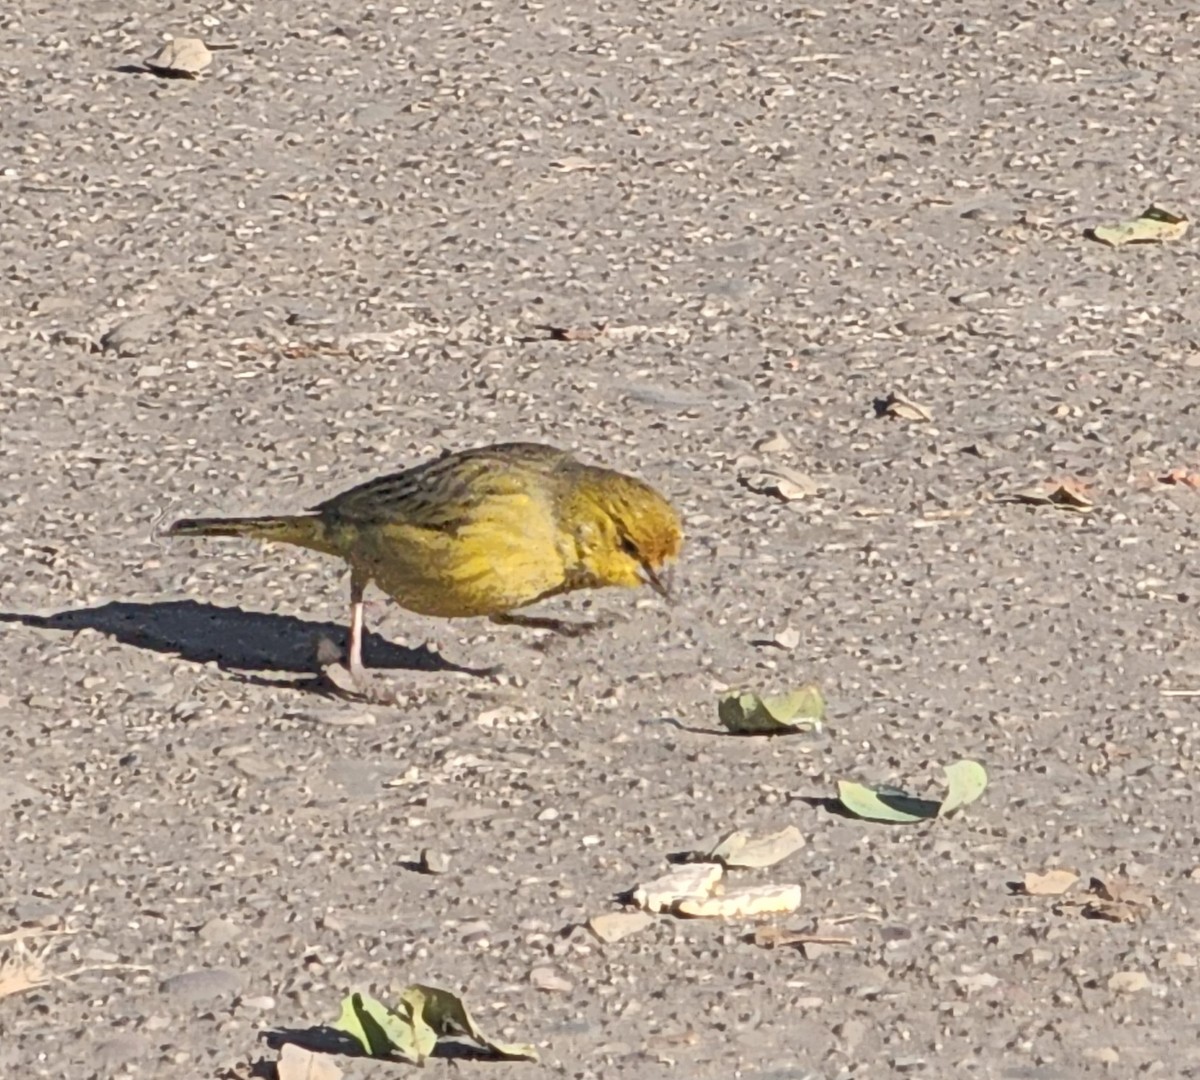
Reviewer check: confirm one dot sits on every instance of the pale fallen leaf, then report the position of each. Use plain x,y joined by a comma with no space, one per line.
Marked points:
692,881
788,638
1128,982
181,58
433,862
740,849
549,980
297,1063
779,481
902,408
775,443
1051,883
745,903
967,781
21,970
975,982
612,926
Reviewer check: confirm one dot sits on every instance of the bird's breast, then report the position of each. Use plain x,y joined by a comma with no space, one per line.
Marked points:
507,552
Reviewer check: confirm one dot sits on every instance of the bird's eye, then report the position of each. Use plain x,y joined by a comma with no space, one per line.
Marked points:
629,547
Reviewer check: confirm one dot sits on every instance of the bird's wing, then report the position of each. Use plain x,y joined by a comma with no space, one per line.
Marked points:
440,494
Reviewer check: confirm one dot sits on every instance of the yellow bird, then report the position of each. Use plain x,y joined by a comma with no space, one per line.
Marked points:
480,532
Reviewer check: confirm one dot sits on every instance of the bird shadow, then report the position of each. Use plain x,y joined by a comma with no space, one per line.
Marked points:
234,639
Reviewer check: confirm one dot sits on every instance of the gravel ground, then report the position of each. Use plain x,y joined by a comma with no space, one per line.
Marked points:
349,245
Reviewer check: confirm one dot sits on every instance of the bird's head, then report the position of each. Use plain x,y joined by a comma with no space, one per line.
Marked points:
626,532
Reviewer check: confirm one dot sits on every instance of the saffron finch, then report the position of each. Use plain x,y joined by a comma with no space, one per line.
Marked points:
480,532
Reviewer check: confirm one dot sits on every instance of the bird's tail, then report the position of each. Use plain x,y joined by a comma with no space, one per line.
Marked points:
303,530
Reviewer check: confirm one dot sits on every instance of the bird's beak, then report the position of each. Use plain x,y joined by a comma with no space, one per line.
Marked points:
655,581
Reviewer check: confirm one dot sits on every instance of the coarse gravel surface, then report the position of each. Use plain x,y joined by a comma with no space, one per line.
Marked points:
371,232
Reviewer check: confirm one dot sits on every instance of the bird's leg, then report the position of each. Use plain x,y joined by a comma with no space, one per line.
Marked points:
354,661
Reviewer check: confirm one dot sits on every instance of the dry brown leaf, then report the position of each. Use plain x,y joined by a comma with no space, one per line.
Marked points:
1120,890
1107,911
1069,494
1180,476
21,970
775,937
1128,982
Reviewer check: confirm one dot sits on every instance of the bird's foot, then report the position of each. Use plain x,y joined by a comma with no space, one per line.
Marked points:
366,687
346,678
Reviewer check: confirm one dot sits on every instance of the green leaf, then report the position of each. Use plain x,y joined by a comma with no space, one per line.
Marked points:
1153,226
885,804
411,1030
422,1037
802,709
444,1013
375,1028
967,781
